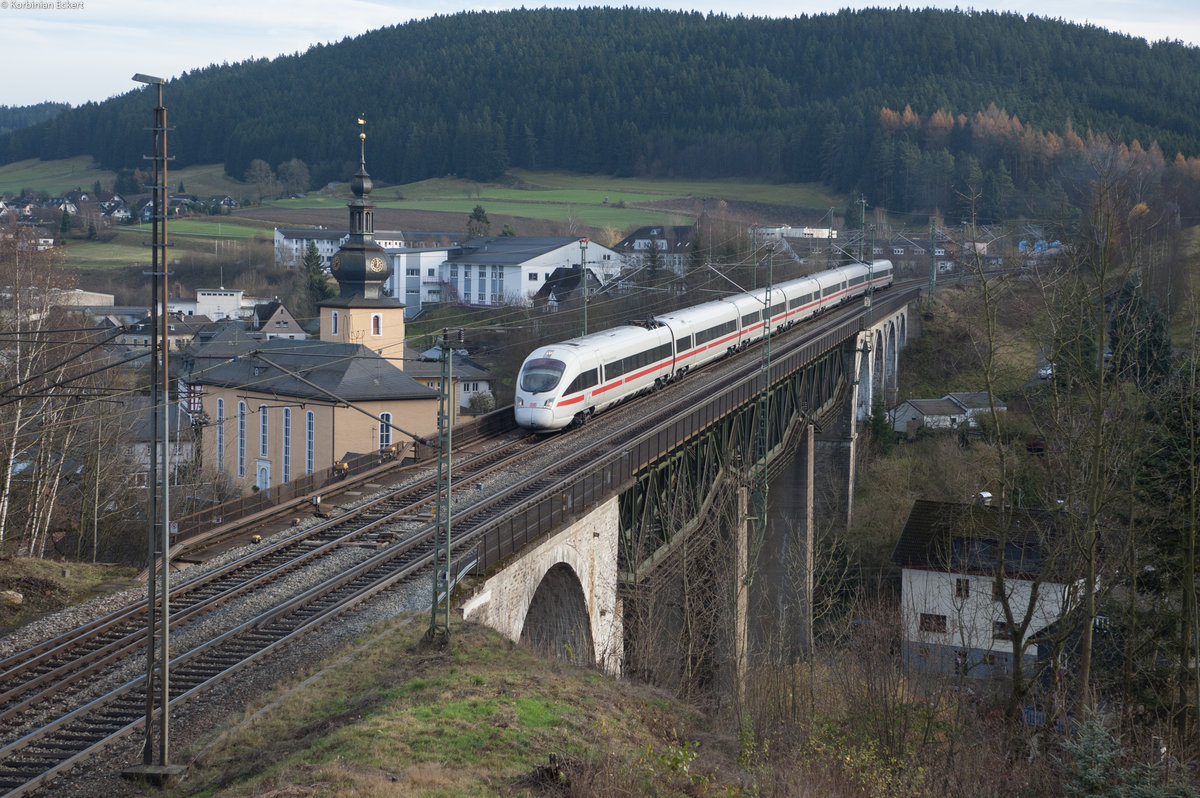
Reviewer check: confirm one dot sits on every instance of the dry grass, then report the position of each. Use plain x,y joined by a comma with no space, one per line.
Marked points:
49,585
481,717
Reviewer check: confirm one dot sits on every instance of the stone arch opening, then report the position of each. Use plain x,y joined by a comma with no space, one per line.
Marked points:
557,621
877,365
891,361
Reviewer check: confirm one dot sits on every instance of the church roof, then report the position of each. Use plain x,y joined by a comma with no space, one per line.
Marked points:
304,369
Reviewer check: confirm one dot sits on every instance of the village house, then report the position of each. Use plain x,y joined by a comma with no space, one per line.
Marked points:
952,411
951,556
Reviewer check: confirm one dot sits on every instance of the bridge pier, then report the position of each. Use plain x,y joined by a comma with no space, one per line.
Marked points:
783,600
561,596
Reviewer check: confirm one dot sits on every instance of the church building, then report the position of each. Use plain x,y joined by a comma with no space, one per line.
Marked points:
275,410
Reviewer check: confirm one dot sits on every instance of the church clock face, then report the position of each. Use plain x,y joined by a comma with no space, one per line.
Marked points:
337,262
376,265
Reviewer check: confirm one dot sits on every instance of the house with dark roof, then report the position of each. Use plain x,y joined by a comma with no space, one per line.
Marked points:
672,243
949,412
278,409
959,564
274,320
510,270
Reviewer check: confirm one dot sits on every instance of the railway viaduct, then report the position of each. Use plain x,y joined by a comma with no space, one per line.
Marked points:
557,572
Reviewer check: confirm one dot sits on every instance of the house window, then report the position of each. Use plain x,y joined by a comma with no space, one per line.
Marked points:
430,273
333,320
310,428
262,430
376,324
287,444
962,588
533,277
385,430
933,623
220,434
1000,631
241,455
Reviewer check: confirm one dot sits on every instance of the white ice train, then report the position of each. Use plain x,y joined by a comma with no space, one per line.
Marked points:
564,384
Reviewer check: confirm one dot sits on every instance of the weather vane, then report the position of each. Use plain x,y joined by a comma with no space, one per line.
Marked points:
362,141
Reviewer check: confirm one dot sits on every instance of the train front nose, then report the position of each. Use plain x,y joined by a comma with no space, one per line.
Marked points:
535,417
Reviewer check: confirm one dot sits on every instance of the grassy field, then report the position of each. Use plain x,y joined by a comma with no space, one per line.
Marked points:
603,191
53,177
477,717
204,227
593,200
118,253
130,246
57,177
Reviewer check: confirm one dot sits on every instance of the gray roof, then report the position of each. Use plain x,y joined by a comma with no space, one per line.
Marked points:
509,250
972,400
935,407
934,530
286,367
429,364
314,233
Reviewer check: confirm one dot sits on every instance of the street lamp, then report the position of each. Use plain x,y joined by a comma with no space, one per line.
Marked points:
160,465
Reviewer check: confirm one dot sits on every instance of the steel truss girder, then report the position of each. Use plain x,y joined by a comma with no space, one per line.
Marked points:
672,496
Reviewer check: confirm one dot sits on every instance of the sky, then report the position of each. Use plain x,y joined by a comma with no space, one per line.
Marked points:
77,51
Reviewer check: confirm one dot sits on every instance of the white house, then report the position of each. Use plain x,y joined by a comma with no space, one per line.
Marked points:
673,243
950,556
292,242
913,414
949,412
787,231
216,303
509,270
416,277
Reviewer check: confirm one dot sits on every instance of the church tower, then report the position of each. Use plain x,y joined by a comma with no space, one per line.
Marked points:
361,313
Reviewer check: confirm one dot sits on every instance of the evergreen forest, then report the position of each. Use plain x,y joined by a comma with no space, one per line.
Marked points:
905,107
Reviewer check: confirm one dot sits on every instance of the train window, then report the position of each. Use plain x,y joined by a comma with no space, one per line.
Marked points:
751,318
830,289
541,375
683,344
777,309
583,381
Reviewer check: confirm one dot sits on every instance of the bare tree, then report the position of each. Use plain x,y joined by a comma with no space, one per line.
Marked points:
293,176
259,175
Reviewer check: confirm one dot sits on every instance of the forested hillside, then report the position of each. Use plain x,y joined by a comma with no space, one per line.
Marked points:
904,106
15,117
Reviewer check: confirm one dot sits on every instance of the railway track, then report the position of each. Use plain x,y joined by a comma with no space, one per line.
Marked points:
64,667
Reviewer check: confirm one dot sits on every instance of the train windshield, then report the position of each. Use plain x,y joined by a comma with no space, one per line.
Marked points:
541,375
